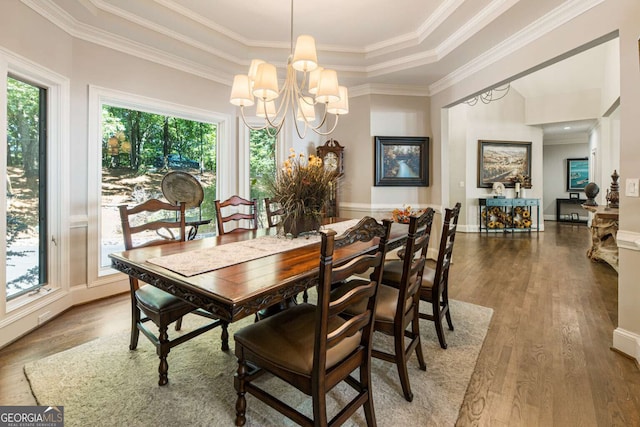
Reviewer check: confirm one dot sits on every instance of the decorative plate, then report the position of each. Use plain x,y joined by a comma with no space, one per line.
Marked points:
182,187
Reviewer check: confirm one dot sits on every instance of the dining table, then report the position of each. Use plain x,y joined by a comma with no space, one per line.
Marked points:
235,275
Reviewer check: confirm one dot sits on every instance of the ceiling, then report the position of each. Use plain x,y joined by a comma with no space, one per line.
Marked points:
411,45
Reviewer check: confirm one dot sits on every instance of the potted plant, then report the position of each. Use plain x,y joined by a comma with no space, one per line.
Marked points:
302,187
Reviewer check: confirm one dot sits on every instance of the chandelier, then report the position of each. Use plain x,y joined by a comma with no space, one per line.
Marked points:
490,95
318,90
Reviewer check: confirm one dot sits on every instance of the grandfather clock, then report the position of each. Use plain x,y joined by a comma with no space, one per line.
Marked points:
332,155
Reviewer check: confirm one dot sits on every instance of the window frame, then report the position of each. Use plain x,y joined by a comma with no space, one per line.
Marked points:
57,203
98,275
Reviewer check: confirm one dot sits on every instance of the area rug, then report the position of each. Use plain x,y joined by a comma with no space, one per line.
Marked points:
102,383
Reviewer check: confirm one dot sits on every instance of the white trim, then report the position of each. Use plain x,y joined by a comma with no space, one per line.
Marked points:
549,22
387,89
627,342
98,275
19,315
552,20
56,15
628,240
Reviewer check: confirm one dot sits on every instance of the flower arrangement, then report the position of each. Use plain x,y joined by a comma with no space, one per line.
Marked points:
523,180
302,187
402,215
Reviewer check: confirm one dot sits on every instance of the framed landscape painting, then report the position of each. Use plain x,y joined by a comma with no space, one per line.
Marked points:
500,161
402,161
577,174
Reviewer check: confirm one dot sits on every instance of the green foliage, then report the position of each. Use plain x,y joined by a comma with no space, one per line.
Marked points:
152,137
262,162
23,105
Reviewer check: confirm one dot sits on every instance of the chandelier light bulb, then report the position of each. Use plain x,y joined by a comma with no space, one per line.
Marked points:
306,110
265,109
304,56
265,85
241,91
253,70
328,87
314,76
341,106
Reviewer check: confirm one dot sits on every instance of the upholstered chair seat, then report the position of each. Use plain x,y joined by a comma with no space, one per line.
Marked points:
286,339
158,301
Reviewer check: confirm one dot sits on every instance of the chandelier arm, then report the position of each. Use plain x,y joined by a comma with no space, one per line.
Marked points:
247,124
303,134
335,124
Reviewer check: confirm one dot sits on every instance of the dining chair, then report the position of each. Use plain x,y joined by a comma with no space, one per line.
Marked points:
312,347
396,312
242,210
274,215
154,223
435,281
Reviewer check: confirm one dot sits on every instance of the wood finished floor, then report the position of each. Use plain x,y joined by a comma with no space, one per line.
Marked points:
546,360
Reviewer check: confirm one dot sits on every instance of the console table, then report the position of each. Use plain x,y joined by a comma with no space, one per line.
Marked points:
501,214
574,216
604,227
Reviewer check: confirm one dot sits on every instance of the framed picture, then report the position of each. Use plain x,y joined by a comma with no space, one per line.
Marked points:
402,161
577,174
500,161
574,195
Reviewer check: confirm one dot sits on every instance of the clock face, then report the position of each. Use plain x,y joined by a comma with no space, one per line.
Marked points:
331,161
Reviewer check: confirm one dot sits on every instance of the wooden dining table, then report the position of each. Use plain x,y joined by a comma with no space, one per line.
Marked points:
239,290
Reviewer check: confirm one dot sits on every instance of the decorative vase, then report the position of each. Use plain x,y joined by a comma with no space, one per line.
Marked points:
299,224
591,190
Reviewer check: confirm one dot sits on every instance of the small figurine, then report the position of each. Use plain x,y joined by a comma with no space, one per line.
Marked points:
613,193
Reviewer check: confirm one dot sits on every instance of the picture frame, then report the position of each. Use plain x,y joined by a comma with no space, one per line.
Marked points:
401,161
574,195
577,173
500,161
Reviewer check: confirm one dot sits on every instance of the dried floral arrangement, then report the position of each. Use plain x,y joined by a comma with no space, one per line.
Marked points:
402,215
523,180
302,186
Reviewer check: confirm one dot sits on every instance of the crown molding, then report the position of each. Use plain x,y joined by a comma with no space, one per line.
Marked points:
71,26
165,31
533,31
387,89
51,11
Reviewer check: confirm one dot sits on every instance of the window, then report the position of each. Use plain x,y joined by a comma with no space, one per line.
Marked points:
34,208
262,166
138,149
26,218
139,140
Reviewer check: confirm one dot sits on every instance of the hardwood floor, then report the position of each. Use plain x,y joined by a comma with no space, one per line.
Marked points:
546,360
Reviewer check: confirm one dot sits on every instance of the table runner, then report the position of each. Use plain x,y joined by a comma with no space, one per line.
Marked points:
198,261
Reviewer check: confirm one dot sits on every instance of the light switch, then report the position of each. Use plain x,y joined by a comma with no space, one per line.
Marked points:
461,184
632,187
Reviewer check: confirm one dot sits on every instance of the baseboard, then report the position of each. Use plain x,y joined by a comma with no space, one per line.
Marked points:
628,343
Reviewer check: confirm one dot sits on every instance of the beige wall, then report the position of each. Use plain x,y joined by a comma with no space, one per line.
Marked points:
607,17
380,115
497,121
